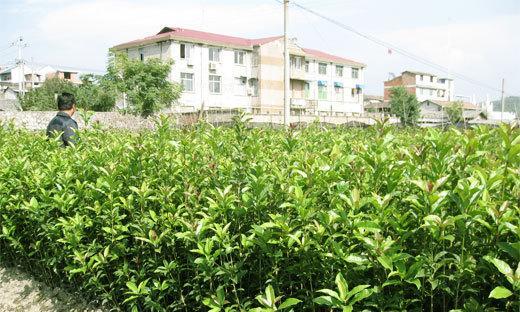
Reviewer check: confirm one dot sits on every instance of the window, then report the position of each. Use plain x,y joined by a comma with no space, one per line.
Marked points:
240,86
322,70
141,54
239,57
339,91
307,66
66,75
5,77
431,92
187,81
214,84
214,54
355,73
355,91
306,90
322,90
185,51
422,77
421,91
431,79
253,86
296,62
339,71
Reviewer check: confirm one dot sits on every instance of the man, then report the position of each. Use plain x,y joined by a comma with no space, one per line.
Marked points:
62,122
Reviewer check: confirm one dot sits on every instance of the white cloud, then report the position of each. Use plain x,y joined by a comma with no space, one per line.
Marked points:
83,31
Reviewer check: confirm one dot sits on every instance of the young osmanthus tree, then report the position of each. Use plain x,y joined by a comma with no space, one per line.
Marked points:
145,83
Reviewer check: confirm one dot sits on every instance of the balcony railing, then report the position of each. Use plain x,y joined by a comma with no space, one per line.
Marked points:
298,73
299,103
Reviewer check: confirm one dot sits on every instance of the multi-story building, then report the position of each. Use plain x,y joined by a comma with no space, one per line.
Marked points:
424,86
27,76
224,72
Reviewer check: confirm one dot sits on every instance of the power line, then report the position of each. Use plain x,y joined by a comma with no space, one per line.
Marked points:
396,48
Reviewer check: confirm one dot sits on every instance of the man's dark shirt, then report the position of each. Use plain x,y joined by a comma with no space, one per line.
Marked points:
62,123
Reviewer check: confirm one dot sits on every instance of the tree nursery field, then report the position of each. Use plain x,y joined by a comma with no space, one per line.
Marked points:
240,219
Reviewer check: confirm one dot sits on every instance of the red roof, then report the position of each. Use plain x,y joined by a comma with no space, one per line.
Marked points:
195,35
329,57
182,33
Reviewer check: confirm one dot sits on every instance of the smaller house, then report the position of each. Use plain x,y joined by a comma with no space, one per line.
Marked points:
436,109
375,104
28,76
425,86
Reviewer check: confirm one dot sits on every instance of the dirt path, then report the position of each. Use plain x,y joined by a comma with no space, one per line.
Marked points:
20,293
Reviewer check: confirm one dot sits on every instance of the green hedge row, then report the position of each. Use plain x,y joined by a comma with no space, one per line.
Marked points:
239,219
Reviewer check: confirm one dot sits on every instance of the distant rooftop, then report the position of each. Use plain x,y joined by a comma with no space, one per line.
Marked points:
424,74
182,34
39,66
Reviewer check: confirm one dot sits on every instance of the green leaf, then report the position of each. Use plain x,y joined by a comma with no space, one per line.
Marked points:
269,295
356,290
289,303
342,286
330,292
324,300
132,286
386,262
356,259
500,293
362,295
502,267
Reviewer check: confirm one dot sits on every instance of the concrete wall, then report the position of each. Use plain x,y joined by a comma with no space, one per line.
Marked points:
39,120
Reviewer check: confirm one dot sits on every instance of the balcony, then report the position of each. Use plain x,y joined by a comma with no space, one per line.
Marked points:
298,73
298,103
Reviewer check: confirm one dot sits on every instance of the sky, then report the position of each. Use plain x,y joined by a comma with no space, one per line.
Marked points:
476,39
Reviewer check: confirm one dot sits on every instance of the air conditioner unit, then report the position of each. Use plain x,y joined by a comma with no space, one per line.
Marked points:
212,66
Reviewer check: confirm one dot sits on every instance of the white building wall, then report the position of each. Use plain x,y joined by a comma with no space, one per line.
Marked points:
269,74
332,104
198,64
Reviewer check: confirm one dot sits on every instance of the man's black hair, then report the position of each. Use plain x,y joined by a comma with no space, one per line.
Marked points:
66,101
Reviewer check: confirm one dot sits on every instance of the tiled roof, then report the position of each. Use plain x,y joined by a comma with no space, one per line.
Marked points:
332,58
169,33
424,74
195,35
465,105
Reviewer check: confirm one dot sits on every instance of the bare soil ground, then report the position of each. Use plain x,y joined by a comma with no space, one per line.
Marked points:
21,293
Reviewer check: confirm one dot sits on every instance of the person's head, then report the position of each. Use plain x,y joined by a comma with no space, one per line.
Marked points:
67,103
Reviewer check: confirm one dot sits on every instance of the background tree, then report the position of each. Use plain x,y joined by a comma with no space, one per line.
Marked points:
511,104
96,93
404,105
455,112
44,97
145,83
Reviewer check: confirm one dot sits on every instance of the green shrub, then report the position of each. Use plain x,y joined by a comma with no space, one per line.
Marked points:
238,219
404,105
44,97
455,112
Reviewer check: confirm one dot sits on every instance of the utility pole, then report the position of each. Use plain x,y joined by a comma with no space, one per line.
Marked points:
286,81
20,43
503,102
